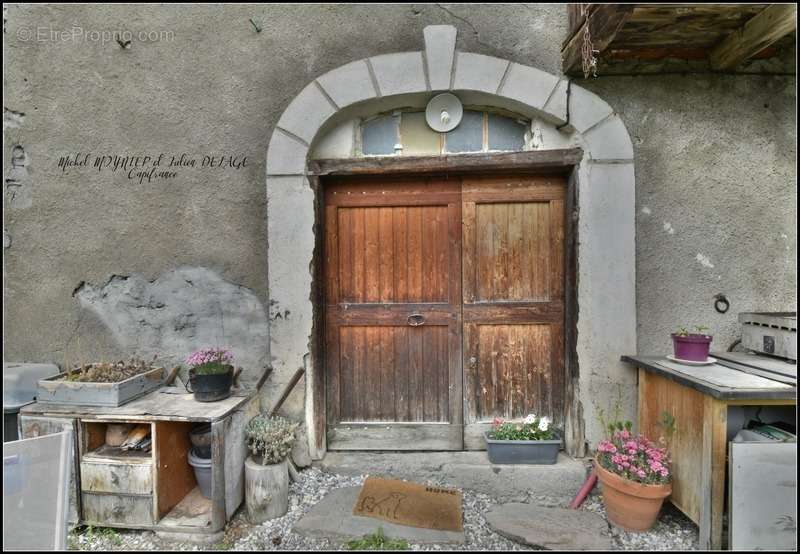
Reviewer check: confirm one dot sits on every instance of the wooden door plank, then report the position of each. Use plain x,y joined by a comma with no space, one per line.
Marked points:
430,348
517,284
402,374
500,252
416,377
485,230
360,378
557,247
401,269
456,373
387,373
469,250
345,337
359,271
386,254
372,368
487,369
372,291
332,254
333,359
443,365
415,268
442,254
454,271
344,245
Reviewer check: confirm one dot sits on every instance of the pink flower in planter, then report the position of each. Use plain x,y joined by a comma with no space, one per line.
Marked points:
634,457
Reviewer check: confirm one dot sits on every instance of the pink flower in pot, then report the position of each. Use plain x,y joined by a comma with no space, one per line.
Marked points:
692,347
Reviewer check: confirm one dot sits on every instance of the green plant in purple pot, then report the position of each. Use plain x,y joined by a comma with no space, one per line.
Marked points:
693,347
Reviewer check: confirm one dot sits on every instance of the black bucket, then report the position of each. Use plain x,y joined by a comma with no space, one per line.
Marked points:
210,388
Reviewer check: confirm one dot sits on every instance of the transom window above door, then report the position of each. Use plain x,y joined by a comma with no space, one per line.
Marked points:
406,133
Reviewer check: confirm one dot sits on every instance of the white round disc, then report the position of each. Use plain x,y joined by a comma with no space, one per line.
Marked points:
444,112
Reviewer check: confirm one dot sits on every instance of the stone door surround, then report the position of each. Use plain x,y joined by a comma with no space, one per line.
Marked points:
606,251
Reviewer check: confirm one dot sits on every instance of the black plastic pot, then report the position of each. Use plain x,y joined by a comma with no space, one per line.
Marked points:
212,387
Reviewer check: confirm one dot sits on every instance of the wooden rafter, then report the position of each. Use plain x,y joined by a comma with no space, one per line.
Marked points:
770,25
604,21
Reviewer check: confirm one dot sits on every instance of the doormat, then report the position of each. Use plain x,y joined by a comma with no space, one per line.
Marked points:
410,504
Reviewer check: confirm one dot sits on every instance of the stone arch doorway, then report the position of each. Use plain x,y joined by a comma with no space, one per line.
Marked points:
566,116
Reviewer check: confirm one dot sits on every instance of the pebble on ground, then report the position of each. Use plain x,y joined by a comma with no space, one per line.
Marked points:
673,531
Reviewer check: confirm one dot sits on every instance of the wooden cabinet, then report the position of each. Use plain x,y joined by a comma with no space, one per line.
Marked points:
156,489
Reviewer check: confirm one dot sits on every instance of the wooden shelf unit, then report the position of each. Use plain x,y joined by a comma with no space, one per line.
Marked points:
154,490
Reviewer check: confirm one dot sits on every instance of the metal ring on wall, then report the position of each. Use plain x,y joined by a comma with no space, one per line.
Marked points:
721,303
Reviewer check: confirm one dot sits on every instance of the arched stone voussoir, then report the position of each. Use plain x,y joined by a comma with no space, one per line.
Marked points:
286,155
399,73
528,85
609,141
306,113
586,109
349,84
478,72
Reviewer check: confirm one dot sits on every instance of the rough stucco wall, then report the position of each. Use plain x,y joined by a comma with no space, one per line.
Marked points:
711,161
716,198
216,87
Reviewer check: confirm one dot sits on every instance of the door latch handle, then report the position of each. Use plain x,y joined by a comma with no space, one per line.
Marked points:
473,362
415,320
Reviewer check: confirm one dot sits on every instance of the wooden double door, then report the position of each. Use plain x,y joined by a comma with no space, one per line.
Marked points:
444,308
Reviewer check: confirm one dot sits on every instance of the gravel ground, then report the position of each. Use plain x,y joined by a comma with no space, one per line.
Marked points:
673,531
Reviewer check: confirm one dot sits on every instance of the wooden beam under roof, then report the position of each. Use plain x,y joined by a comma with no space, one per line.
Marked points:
759,32
604,21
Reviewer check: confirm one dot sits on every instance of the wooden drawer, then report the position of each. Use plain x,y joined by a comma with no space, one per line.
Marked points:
102,475
120,509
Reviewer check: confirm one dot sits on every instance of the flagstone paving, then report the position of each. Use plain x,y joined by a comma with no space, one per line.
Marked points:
672,532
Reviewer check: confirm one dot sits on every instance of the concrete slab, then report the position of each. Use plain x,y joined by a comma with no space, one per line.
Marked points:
469,470
550,528
333,517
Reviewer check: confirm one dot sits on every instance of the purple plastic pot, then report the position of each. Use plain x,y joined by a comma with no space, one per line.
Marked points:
693,348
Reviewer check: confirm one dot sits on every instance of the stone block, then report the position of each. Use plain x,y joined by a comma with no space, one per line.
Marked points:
551,528
609,140
586,108
349,84
290,221
528,85
440,45
307,112
339,142
556,106
285,155
478,72
332,518
399,73
468,470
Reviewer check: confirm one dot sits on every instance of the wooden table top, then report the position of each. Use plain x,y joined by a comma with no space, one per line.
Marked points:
717,380
157,405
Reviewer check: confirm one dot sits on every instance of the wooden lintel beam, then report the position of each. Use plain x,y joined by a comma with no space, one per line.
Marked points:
762,30
605,21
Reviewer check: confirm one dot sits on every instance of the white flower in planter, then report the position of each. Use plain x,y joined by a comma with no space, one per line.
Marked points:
529,419
544,424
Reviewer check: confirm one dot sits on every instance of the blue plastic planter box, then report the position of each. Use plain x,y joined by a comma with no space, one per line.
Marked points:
522,452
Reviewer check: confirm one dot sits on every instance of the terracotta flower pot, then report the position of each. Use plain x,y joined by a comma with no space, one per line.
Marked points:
629,505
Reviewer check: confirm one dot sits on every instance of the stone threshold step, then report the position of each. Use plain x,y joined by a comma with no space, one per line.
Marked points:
469,470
